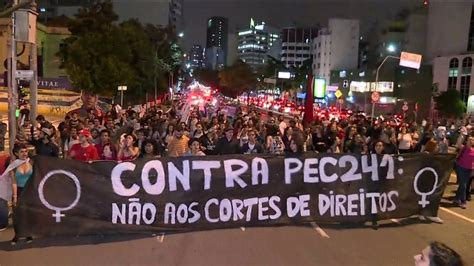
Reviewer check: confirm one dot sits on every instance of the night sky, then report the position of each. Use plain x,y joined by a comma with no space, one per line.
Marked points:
277,13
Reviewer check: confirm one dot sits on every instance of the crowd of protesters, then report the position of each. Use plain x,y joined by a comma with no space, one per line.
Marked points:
125,135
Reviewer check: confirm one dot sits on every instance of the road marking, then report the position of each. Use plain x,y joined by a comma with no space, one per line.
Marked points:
319,230
242,228
457,214
161,238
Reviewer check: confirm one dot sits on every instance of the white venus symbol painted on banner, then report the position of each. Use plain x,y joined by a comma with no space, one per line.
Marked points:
423,202
57,214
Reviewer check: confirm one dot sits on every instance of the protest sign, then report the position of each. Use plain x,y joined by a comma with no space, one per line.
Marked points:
66,197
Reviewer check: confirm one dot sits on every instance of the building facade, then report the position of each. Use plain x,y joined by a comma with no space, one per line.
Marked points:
216,41
450,28
196,57
296,45
454,73
336,47
257,42
49,40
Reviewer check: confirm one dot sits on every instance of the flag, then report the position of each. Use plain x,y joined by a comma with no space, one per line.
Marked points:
308,105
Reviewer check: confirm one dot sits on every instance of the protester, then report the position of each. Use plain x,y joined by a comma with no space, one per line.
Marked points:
129,150
464,168
178,144
6,190
84,150
3,132
227,144
21,170
438,254
194,148
44,145
252,146
150,150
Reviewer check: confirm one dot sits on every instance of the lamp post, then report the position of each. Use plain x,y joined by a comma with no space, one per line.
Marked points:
121,89
377,79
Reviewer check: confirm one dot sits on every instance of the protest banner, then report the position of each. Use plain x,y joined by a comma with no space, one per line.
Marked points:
66,197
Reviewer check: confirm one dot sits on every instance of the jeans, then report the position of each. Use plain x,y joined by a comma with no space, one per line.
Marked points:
3,213
464,176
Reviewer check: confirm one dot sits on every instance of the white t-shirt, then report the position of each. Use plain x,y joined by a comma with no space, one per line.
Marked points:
404,141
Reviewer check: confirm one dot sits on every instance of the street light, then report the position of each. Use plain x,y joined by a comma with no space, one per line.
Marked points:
391,48
181,34
121,89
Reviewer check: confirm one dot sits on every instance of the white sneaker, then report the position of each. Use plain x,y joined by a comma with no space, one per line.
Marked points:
435,219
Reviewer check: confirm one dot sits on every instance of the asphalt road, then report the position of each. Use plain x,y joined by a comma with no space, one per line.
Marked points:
394,243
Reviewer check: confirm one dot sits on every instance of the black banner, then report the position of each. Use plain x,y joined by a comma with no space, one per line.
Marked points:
67,197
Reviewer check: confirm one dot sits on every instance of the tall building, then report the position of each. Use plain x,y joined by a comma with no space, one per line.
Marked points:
176,16
216,42
232,48
296,45
196,57
450,47
336,47
256,42
214,58
450,28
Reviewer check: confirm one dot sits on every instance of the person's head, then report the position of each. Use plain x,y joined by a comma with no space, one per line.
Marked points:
194,145
289,131
229,133
252,134
199,127
75,116
94,133
73,132
96,122
88,100
21,151
403,129
104,136
431,146
281,118
84,136
296,145
170,129
179,131
45,133
358,138
150,147
271,121
438,254
107,150
67,118
40,119
379,147
130,140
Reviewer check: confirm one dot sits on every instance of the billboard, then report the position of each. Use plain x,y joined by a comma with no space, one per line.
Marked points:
319,88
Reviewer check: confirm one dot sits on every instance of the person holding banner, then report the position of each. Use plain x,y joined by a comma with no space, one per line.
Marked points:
17,174
194,148
464,168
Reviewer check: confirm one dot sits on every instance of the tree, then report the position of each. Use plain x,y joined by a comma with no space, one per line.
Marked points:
236,79
207,76
97,57
449,104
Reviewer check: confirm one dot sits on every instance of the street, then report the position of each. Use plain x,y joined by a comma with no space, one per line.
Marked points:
394,243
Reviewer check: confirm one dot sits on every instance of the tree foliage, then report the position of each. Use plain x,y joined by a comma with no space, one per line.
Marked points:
236,79
449,104
207,76
101,54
